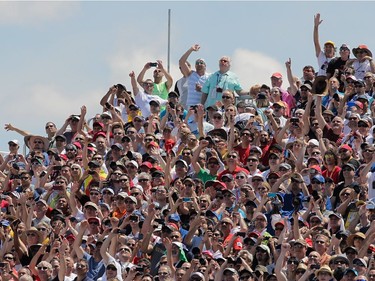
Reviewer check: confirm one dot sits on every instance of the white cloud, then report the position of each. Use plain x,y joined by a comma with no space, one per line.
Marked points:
49,103
254,67
23,13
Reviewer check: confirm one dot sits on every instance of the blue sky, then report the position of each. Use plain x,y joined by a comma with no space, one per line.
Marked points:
58,56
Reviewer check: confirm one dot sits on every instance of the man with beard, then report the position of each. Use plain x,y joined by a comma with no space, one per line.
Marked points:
333,133
71,151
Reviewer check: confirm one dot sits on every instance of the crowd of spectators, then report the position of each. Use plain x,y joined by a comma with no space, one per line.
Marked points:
205,182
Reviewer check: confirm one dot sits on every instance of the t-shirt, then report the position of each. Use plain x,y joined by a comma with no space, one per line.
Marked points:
243,153
193,96
234,172
205,176
161,90
329,134
323,63
96,269
142,100
224,81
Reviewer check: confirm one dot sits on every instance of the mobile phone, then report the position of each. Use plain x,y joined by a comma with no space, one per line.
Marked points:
171,104
140,236
153,64
160,221
3,264
336,97
186,199
2,196
242,234
175,196
91,172
42,174
294,120
139,269
121,231
271,195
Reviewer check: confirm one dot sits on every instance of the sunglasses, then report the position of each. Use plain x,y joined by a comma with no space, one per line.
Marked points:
232,156
226,97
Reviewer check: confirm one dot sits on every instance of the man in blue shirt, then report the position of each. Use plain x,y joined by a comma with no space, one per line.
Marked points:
221,80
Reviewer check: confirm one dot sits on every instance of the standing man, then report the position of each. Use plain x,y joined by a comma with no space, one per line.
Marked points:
329,48
339,62
161,88
221,80
195,79
143,98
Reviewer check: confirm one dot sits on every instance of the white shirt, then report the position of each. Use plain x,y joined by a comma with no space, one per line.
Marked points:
143,102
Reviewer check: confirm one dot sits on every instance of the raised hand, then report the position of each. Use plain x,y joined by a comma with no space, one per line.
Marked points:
317,20
195,47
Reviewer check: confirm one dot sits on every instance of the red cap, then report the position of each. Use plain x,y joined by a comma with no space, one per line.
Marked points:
359,104
98,124
277,75
77,144
316,167
169,144
63,157
153,143
147,164
347,147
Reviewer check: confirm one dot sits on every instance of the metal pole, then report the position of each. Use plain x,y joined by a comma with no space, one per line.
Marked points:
169,39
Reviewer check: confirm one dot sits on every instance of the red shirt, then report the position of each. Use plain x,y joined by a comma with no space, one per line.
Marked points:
234,172
333,174
243,153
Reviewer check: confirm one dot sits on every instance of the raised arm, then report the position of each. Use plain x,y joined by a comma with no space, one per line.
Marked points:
306,114
167,75
134,83
280,262
292,83
77,243
140,78
317,22
318,113
9,127
111,92
185,69
104,249
194,161
82,119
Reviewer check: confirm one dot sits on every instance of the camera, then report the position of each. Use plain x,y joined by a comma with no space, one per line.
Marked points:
153,64
219,90
171,104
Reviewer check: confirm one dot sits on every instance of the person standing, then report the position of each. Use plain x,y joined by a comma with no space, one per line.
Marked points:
221,80
195,79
